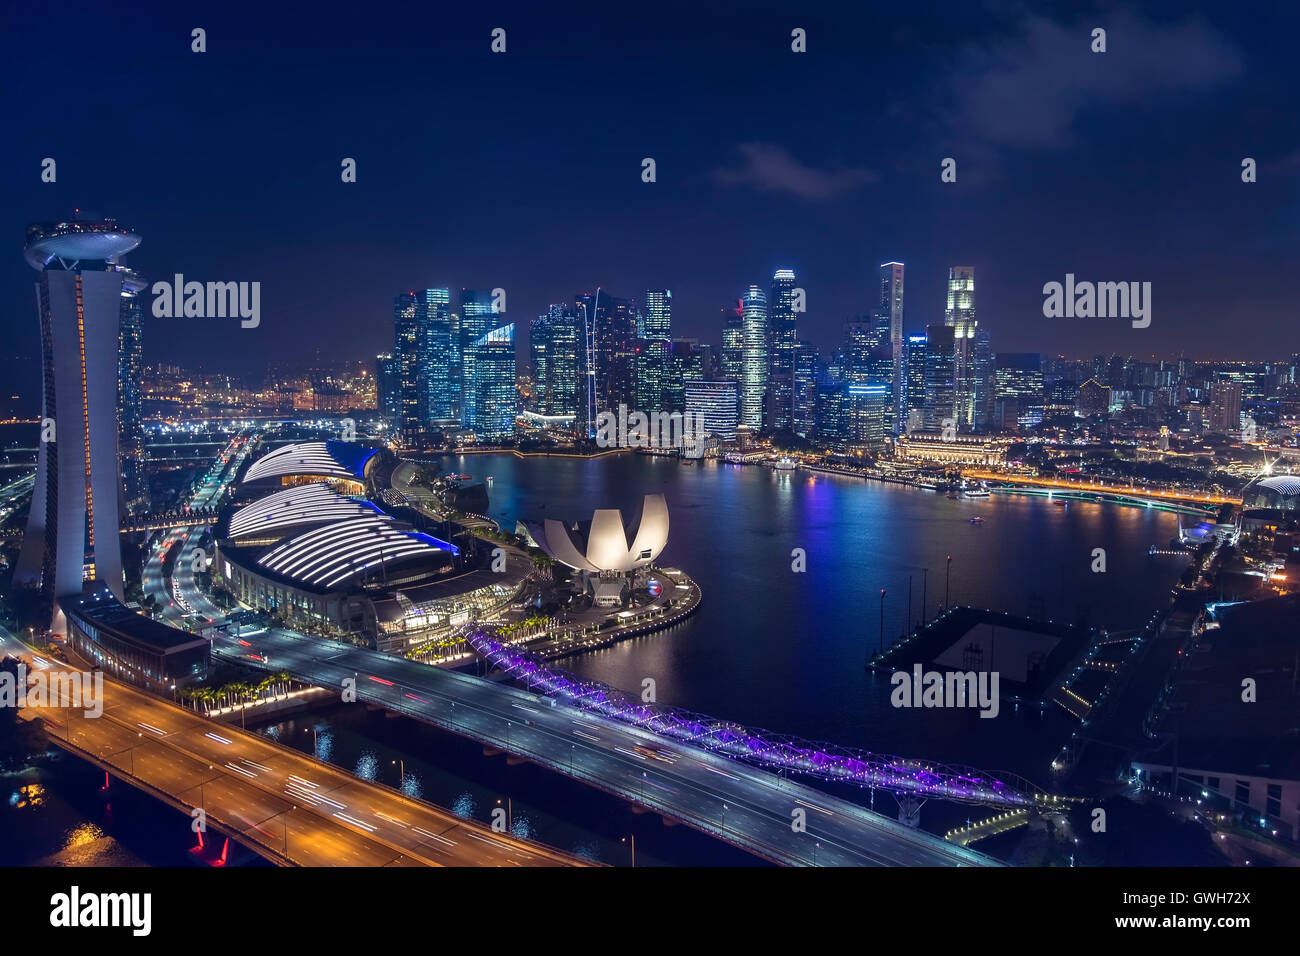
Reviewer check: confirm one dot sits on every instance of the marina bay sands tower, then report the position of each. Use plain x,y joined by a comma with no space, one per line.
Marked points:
72,530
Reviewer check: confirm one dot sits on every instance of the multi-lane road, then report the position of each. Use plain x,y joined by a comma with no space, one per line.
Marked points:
282,803
774,817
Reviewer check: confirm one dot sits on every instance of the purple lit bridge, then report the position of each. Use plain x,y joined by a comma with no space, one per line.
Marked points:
903,777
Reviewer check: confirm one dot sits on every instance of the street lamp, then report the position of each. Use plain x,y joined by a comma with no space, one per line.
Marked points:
402,765
510,814
315,752
882,620
632,837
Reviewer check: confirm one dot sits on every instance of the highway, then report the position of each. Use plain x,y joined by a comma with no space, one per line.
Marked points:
274,799
748,807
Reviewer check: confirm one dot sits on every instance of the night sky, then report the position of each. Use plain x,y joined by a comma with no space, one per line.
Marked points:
523,170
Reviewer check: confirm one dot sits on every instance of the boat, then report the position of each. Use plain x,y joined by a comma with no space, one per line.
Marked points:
785,464
977,520
977,492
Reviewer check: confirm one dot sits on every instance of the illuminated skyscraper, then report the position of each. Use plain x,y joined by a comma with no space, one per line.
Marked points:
412,386
781,343
492,398
433,314
658,314
130,394
477,319
73,527
960,317
732,355
753,371
940,389
891,306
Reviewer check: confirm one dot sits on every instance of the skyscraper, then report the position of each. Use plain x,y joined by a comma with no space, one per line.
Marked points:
940,367
891,305
753,373
781,339
388,385
658,314
914,408
807,371
493,400
477,319
959,315
73,526
732,355
717,404
130,394
412,381
433,316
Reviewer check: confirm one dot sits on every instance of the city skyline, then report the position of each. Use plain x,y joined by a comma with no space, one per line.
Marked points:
1025,210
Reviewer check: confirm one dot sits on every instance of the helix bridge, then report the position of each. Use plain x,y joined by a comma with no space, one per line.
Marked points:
905,778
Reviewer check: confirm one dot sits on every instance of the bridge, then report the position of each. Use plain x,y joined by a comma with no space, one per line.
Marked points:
1182,502
282,805
176,518
900,776
749,807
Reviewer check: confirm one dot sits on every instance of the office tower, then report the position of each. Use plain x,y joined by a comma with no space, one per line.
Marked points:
1018,390
412,380
732,354
493,400
891,305
717,403
688,361
653,361
436,374
870,410
940,368
1093,399
959,315
388,384
807,361
833,427
781,343
914,407
1225,406
563,361
477,319
982,378
539,354
753,371
868,366
130,394
73,526
658,314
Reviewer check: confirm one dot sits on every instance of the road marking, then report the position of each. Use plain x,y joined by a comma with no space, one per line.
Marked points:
433,836
813,806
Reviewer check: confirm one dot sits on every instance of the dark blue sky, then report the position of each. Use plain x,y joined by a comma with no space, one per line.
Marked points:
523,170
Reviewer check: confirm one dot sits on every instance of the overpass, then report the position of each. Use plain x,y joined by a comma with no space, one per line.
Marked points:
746,806
284,806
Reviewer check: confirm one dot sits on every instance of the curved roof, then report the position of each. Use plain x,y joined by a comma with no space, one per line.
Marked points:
329,459
304,504
77,239
335,554
1287,485
606,543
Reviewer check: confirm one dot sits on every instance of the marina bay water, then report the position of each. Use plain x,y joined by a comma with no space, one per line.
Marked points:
784,650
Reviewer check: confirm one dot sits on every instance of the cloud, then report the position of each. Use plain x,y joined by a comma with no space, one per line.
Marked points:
774,169
1027,91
